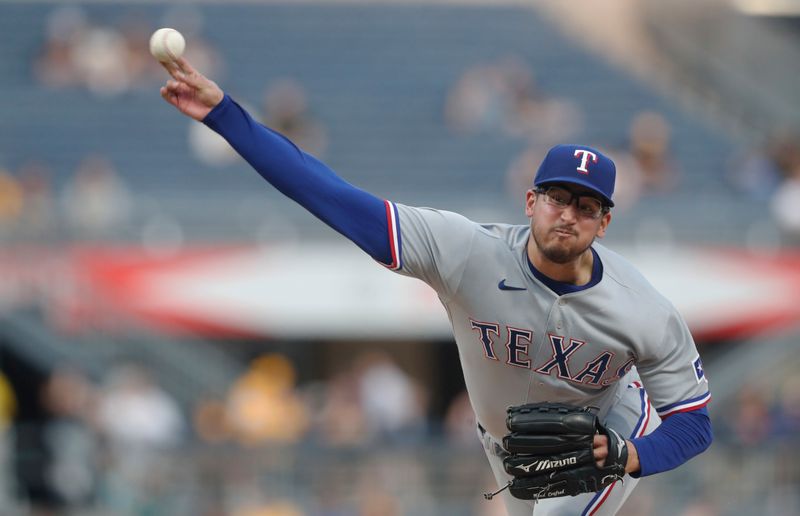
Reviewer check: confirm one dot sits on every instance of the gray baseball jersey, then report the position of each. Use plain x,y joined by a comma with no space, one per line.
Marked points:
520,342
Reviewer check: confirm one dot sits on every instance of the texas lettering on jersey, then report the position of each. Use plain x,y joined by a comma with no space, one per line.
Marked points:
598,371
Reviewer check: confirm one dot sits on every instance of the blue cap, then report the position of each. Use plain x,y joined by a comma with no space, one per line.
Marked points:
580,165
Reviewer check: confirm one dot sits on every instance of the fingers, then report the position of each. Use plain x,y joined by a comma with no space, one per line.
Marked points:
168,66
181,70
177,87
600,449
169,96
173,91
174,71
185,66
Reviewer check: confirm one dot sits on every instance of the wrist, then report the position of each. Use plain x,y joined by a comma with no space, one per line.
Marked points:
217,111
632,466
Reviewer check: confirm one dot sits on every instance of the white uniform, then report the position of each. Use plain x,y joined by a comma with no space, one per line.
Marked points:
520,342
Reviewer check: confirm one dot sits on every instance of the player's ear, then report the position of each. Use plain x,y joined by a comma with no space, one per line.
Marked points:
530,200
604,222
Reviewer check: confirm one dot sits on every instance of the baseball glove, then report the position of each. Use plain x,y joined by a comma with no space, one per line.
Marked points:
550,451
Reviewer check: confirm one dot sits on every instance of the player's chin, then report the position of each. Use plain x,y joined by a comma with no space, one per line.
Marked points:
560,253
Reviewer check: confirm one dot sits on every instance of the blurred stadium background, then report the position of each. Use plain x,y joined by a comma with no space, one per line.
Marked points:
177,339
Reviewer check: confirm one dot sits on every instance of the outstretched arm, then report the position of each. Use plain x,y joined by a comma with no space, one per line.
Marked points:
358,215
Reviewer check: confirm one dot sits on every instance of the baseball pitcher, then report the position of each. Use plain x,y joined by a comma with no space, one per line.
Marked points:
583,378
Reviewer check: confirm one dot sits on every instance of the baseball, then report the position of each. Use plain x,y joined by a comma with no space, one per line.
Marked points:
167,44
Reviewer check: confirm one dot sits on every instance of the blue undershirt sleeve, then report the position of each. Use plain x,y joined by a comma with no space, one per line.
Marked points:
680,437
356,214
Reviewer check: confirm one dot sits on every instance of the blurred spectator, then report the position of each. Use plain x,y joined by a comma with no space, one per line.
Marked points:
460,426
55,66
78,53
70,439
787,415
210,421
271,508
379,484
502,96
395,405
286,110
38,213
521,171
751,425
701,508
645,160
96,202
372,400
141,424
784,203
136,414
461,435
135,30
378,502
649,138
209,147
11,202
100,57
110,59
263,405
332,497
475,102
532,115
342,420
760,172
628,192
8,409
8,403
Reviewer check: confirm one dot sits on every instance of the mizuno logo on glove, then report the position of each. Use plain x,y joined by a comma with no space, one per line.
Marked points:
540,465
550,451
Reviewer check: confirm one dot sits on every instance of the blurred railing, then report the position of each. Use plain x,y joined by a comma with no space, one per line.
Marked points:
430,478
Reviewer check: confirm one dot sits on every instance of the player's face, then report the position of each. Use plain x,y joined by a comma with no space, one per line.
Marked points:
562,231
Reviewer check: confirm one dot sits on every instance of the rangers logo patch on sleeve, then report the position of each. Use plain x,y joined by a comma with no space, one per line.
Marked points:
699,372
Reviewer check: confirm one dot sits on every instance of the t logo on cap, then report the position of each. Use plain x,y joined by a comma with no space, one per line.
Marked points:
559,166
585,155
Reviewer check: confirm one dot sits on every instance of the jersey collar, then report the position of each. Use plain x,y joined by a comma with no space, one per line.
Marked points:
560,287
